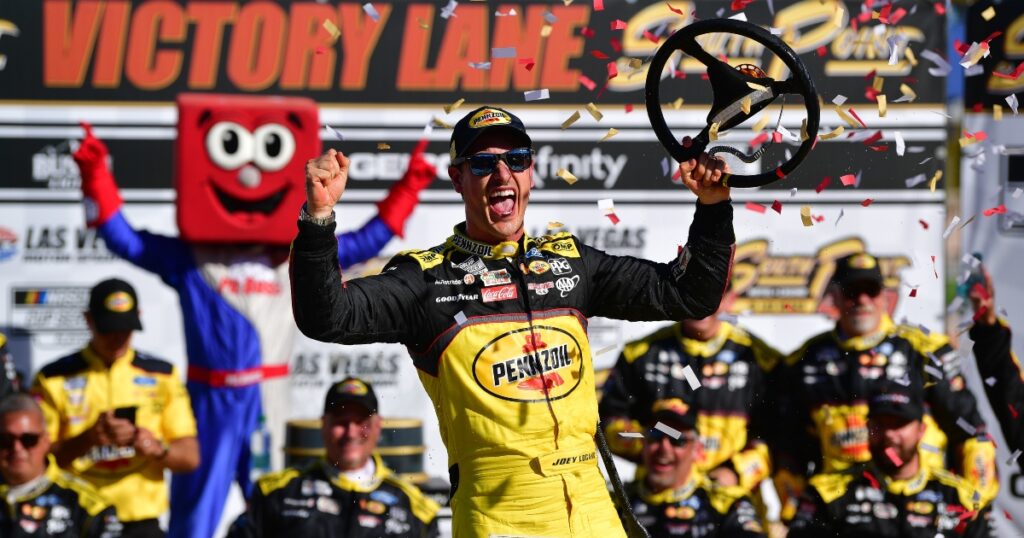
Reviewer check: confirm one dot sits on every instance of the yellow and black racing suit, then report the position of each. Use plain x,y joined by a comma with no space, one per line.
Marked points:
56,504
498,335
730,368
1003,378
821,393
861,502
699,508
315,500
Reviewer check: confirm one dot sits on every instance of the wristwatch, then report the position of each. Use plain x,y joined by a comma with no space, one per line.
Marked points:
304,216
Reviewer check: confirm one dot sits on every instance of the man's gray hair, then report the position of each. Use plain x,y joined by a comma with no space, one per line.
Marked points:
20,403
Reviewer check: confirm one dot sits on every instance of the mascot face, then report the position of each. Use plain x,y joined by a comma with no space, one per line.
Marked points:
240,166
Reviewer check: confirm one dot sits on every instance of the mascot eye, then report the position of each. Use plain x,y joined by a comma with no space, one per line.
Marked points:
229,145
275,147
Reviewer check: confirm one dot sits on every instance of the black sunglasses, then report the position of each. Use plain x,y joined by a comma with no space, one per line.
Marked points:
27,440
852,291
655,436
482,164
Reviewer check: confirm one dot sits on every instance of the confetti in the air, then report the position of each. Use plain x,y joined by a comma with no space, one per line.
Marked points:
503,52
592,108
691,377
332,29
1012,101
566,176
631,435
756,207
805,216
383,146
890,453
901,145
536,95
448,109
337,134
605,349
989,13
611,132
460,318
966,426
668,430
448,11
483,66
571,120
1014,457
371,12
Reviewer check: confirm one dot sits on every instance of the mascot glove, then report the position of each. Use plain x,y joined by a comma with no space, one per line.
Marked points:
99,190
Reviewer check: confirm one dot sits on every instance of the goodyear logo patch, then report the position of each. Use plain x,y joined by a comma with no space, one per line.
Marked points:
119,301
488,117
519,367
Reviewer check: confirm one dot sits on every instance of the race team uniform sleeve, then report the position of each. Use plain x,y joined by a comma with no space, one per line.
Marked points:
1003,378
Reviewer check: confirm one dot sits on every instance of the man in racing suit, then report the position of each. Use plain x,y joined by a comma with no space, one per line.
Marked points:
496,321
675,498
895,494
37,498
821,390
350,493
728,362
998,365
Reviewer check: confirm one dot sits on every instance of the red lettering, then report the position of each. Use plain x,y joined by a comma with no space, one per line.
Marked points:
523,33
148,68
465,40
67,43
209,18
303,67
254,60
111,47
563,46
413,73
359,36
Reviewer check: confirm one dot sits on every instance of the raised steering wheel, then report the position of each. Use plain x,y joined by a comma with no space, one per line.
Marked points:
733,89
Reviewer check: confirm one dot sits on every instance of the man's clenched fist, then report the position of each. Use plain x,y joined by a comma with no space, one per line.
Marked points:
326,177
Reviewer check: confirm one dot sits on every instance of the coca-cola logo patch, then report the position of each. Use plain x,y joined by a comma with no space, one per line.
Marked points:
499,293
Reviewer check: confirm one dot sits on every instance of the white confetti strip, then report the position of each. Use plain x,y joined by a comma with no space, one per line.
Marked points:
973,55
536,95
990,381
1016,193
668,430
942,66
949,229
924,330
337,134
460,318
901,145
550,17
1012,101
839,100
503,52
631,435
371,12
449,10
930,448
665,167
1014,457
480,65
966,426
969,259
740,17
933,371
894,48
691,377
511,13
729,318
605,349
606,205
792,192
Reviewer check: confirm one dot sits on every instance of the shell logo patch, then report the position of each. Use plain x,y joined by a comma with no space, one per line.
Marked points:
353,386
863,261
488,117
119,301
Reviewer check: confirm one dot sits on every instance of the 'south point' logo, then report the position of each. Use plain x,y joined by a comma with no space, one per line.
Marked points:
521,366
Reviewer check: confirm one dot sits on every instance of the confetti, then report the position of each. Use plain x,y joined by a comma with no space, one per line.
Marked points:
745,105
631,435
839,218
805,215
966,426
691,377
989,13
777,207
592,108
448,11
664,166
677,104
550,17
1014,457
930,448
382,146
835,132
997,112
867,202
871,479
942,67
1017,192
1010,76
371,12
438,122
822,184
974,54
528,63
668,430
883,107
587,82
571,120
913,292
854,114
908,94
890,452
613,71
914,181
332,29
935,180
949,229
566,175
598,5
460,318
605,349
337,134
997,210
713,132
503,52
448,109
839,100
755,207
933,371
1012,101
846,117
611,132
923,223
483,66
759,125
848,179
510,13
536,95
618,24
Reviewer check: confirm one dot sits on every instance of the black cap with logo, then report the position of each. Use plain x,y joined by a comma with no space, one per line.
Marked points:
860,267
897,400
350,391
483,120
114,307
674,412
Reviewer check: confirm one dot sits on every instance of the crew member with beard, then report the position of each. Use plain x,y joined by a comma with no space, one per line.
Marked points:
675,497
821,391
895,494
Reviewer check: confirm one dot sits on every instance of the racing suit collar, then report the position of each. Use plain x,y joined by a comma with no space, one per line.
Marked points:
699,348
868,341
341,481
670,495
97,362
505,249
909,486
33,488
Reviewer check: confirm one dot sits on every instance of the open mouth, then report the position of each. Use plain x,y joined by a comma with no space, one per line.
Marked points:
264,206
502,202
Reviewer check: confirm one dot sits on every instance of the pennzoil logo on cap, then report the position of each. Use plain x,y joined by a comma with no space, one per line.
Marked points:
488,117
674,405
354,387
119,301
863,261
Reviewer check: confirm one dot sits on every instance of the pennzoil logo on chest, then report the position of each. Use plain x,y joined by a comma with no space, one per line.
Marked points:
521,367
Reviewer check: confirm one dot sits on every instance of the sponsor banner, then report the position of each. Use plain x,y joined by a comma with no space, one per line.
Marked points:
423,52
1006,52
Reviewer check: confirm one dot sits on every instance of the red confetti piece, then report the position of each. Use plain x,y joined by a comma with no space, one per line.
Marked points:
613,217
756,208
1007,514
874,482
895,18
866,202
872,73
776,137
879,148
618,24
677,176
923,223
1013,411
961,47
675,10
980,313
890,453
651,37
613,71
856,117
990,37
913,292
777,206
599,55
587,83
980,291
616,44
588,33
997,210
821,186
883,15
740,4
1012,76
818,218
780,174
873,138
940,8
822,51
679,73
529,66
321,50
629,108
598,5
758,140
848,179
934,270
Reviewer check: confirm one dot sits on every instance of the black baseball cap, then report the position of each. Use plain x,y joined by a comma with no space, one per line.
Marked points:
484,120
897,400
114,307
860,267
674,412
350,391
